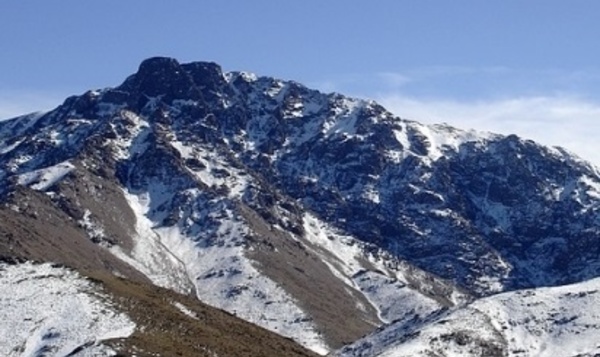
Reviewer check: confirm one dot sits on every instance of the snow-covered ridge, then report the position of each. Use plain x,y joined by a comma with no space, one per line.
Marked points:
544,322
53,311
440,139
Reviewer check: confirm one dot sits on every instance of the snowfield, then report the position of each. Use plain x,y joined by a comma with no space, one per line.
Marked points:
544,322
53,311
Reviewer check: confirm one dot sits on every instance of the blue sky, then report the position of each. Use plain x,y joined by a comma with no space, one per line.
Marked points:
527,67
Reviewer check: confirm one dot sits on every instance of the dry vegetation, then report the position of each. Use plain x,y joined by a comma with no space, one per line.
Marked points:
33,228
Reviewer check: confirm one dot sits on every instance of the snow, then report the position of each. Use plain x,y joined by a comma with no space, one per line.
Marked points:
51,311
18,126
555,321
276,90
56,138
185,310
149,255
344,248
371,194
218,269
344,119
8,148
402,138
248,76
382,281
185,151
441,138
216,172
545,322
226,279
135,141
592,185
93,229
308,131
43,179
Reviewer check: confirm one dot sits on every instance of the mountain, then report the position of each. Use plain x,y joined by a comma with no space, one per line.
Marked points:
316,216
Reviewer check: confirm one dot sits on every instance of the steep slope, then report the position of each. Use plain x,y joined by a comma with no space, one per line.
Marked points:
289,207
556,321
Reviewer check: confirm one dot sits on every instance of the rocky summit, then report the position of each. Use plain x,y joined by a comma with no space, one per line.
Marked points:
318,217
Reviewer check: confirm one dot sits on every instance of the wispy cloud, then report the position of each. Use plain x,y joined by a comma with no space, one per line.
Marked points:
568,121
394,79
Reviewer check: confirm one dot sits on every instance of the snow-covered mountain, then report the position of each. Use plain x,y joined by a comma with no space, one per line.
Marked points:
316,216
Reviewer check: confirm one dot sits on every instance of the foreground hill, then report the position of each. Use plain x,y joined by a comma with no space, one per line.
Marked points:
53,311
555,321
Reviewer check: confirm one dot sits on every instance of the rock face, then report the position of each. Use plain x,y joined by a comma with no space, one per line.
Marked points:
271,200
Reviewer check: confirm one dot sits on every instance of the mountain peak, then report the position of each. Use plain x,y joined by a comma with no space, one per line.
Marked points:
156,63
160,77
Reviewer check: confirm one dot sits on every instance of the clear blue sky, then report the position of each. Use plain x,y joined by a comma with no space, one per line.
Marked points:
521,66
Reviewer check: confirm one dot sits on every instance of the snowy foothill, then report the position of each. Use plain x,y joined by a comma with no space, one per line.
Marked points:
53,311
545,322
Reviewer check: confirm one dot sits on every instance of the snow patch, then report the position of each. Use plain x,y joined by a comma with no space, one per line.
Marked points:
149,255
184,310
43,179
132,142
8,148
344,119
94,230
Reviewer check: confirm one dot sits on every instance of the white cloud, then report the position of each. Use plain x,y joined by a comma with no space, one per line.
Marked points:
570,122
